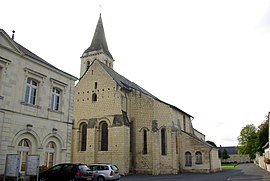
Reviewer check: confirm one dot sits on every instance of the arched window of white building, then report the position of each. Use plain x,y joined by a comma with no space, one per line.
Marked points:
23,149
50,151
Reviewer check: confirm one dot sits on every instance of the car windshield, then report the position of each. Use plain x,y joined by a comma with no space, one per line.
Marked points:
83,168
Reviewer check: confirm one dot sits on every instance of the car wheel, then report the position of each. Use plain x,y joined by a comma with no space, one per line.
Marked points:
100,179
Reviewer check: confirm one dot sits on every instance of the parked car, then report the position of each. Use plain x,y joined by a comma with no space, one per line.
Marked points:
67,172
103,172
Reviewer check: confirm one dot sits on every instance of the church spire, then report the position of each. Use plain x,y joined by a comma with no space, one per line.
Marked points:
99,42
98,50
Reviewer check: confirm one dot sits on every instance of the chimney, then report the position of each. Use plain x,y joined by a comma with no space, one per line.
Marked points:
13,32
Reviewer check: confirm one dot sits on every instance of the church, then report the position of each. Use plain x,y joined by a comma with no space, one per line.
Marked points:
117,121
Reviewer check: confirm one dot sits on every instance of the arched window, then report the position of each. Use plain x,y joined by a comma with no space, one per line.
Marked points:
94,97
163,142
83,132
87,65
198,157
23,149
104,136
188,159
50,151
144,141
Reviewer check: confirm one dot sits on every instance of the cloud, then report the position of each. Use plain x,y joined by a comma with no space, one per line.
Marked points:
228,140
265,20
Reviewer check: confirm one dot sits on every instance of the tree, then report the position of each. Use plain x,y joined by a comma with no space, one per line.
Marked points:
224,154
248,142
263,135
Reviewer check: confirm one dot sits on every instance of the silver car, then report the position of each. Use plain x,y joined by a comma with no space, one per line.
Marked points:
103,172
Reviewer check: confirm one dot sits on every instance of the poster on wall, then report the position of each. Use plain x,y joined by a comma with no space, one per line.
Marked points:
32,165
12,165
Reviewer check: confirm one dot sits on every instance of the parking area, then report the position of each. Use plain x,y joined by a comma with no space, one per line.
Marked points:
244,172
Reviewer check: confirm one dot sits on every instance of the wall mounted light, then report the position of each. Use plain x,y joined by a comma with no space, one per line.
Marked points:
29,127
54,130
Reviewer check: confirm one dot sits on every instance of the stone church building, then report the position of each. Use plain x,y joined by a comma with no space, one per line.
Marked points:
117,121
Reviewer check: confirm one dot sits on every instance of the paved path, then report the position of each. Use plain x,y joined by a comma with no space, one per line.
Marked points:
249,172
244,172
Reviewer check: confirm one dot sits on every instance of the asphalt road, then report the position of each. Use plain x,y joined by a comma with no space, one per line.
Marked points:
244,172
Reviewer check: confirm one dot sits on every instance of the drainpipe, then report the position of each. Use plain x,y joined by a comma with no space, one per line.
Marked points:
126,103
210,161
68,119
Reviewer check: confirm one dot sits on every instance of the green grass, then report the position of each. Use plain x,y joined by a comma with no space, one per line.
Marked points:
229,165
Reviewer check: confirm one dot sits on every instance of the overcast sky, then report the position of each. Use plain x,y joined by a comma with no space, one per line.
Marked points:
209,58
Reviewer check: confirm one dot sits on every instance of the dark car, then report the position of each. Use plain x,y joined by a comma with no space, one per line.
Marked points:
67,172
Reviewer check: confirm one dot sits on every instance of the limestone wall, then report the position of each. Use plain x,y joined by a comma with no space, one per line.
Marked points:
37,123
107,106
193,145
141,117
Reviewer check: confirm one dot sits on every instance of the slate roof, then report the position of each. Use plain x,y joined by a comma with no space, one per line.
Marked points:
231,150
129,85
99,40
34,56
124,82
31,54
198,139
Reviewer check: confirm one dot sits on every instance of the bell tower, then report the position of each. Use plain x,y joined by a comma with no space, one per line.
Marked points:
98,50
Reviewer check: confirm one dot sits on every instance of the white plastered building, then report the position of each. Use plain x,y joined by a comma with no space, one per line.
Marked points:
36,106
